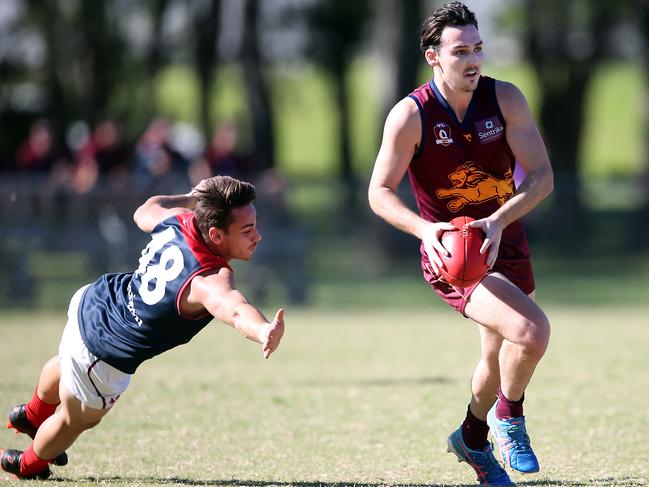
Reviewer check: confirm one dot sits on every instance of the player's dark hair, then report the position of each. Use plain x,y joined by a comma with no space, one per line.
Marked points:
454,14
217,198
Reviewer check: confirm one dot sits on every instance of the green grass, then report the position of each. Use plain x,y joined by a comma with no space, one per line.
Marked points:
351,272
351,398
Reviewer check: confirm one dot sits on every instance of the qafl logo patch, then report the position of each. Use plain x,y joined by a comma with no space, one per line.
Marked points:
442,134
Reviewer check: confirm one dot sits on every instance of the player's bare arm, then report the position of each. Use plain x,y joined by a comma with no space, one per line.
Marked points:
527,145
401,137
158,208
216,293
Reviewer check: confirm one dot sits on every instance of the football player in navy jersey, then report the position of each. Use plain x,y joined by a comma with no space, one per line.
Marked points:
459,138
183,281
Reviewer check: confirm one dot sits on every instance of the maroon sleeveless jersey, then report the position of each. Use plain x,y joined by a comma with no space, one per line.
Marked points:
466,168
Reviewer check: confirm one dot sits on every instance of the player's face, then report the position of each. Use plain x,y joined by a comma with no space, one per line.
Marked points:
459,58
241,239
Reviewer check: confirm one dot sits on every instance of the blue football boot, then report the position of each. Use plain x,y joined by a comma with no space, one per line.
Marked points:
515,448
483,462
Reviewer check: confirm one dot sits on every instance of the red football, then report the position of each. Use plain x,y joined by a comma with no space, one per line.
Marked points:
466,265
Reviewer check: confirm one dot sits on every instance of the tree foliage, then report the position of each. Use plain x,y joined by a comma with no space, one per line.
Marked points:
91,68
336,30
565,42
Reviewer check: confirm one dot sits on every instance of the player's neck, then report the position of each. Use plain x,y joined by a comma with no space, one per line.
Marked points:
458,100
216,250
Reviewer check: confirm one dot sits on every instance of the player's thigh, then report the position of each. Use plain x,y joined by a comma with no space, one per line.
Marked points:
77,413
504,309
491,342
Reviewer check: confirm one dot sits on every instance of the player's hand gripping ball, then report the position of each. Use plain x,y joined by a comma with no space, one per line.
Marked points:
466,265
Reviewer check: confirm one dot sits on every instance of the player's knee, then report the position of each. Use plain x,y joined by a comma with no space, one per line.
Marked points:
80,423
87,423
536,336
91,423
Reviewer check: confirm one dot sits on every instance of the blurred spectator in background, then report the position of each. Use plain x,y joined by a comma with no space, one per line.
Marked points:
38,153
33,206
223,156
42,158
102,154
283,252
281,258
159,166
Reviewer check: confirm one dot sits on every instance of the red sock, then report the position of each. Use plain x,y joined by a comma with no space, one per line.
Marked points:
474,431
31,464
507,409
38,411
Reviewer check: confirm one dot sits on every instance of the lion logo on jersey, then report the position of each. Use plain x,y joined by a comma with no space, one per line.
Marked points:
472,185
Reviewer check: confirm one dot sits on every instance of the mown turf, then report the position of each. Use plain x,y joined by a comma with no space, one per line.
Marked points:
351,398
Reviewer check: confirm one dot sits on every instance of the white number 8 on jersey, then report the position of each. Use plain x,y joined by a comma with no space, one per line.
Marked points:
170,266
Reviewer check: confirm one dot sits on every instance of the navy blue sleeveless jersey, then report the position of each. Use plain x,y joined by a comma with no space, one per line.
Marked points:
128,318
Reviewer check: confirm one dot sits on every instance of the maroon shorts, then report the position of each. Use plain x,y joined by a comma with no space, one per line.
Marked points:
517,270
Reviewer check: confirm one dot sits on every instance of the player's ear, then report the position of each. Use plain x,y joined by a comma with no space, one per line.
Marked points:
431,56
216,235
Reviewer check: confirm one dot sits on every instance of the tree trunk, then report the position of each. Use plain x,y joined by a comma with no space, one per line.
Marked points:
99,57
57,107
642,243
346,170
257,90
643,21
563,75
154,55
207,32
562,119
398,46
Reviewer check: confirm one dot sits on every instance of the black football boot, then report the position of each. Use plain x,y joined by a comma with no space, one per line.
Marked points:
18,420
10,461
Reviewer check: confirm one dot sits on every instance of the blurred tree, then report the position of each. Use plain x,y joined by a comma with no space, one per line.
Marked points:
40,81
155,57
257,91
565,41
205,28
640,10
85,59
47,18
336,29
77,57
397,32
102,56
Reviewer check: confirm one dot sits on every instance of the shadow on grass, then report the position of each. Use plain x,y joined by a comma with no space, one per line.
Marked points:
250,483
377,382
616,481
612,481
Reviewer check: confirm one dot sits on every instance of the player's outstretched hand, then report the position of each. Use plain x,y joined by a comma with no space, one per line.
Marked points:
275,334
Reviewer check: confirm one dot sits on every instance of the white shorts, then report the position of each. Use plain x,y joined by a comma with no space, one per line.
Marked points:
92,381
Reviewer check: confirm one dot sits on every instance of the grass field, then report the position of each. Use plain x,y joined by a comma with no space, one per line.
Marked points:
351,398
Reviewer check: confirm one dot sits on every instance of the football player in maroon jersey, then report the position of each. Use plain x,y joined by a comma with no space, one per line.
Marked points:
459,138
